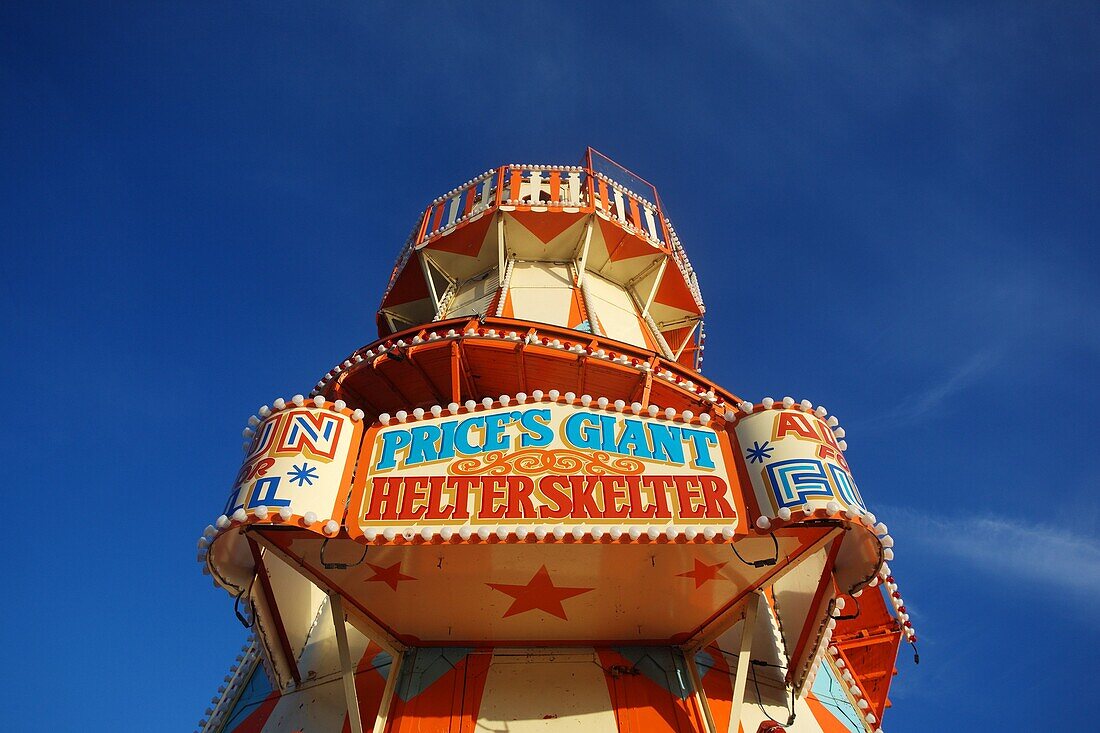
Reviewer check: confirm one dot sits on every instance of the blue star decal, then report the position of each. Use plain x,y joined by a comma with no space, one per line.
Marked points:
758,452
303,475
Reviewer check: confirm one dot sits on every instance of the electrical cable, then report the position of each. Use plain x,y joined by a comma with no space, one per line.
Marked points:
760,702
767,562
340,565
245,622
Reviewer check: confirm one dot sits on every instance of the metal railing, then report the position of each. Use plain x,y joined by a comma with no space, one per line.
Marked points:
584,189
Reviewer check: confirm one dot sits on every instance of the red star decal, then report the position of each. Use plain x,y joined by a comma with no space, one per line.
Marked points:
703,572
539,594
391,576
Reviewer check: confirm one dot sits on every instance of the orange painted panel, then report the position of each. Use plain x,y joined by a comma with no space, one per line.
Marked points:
623,246
643,705
449,704
717,685
515,184
824,718
410,285
576,310
546,225
466,240
674,291
370,682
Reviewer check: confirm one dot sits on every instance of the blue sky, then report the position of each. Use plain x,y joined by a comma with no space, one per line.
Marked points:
893,209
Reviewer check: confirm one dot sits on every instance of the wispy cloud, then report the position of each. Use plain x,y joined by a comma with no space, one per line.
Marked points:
1035,554
935,395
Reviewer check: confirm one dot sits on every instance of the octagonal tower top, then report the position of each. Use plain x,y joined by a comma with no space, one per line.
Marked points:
584,247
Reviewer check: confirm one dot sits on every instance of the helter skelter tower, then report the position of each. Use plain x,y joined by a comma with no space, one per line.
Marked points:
524,508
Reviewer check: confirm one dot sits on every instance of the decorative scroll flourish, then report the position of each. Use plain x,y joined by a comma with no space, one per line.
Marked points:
535,461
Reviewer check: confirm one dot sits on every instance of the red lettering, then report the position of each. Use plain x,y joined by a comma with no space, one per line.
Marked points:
613,493
519,504
436,508
825,435
250,471
584,503
793,422
714,498
634,491
493,502
412,500
559,504
384,492
659,486
462,486
687,490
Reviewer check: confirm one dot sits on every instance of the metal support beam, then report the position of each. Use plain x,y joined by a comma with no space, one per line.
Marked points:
744,658
358,617
383,716
656,284
273,609
683,346
425,267
700,696
714,628
582,255
347,669
501,250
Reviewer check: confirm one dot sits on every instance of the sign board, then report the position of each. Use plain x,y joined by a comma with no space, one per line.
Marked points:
545,464
298,458
793,459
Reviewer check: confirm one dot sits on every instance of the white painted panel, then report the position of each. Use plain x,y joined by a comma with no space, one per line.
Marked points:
620,205
473,297
453,214
531,187
319,704
794,594
546,691
574,188
541,292
615,309
484,194
651,224
297,598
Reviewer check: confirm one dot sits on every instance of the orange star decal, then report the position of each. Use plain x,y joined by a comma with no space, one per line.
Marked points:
539,594
391,576
702,572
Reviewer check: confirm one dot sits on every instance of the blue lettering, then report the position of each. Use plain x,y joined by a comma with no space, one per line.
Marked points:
667,443
495,439
462,435
632,442
701,440
447,441
423,448
538,433
391,443
581,430
268,485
